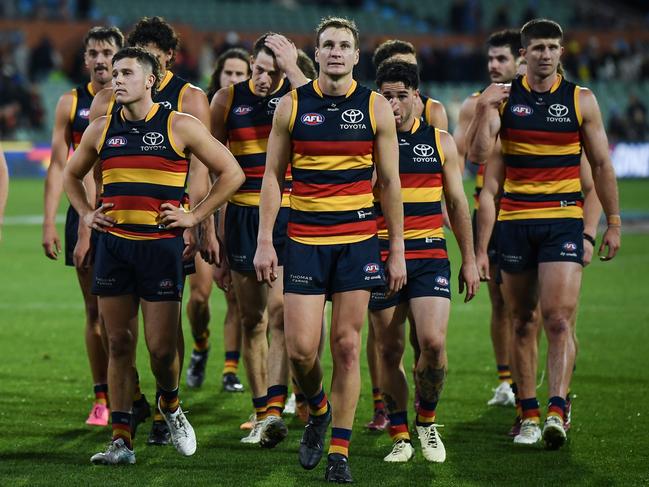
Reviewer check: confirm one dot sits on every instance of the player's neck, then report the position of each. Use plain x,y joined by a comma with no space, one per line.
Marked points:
138,110
541,84
335,86
96,86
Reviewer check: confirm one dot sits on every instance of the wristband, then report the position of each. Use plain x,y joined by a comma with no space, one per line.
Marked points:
614,221
589,238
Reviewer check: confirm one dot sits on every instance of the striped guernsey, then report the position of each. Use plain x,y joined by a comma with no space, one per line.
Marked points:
80,111
541,146
142,168
332,144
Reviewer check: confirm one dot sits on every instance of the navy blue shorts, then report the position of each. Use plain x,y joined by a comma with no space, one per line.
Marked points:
331,269
149,269
241,228
426,277
72,235
523,245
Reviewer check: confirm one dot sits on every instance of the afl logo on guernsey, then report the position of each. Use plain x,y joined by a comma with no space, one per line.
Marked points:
312,119
84,113
116,142
522,110
242,110
371,268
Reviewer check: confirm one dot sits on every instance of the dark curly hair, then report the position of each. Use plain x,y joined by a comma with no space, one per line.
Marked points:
155,30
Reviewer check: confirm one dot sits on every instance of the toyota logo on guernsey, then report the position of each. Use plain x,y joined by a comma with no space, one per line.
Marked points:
312,119
116,142
84,113
165,104
423,150
558,113
522,110
272,103
352,118
153,141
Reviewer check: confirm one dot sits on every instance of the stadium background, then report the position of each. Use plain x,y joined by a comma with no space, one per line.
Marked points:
43,371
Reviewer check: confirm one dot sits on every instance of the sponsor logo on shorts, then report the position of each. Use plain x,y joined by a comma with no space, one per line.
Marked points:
522,110
116,142
352,118
300,279
512,259
312,119
242,110
105,281
84,113
166,284
569,249
441,281
371,268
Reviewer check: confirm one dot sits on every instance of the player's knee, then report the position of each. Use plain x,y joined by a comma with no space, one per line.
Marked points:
121,344
432,345
163,355
199,296
345,350
252,321
391,353
301,356
525,322
557,326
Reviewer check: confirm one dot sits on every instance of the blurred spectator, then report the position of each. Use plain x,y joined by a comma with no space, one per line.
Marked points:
44,59
636,116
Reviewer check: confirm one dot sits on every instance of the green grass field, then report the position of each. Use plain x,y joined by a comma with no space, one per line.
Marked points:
46,389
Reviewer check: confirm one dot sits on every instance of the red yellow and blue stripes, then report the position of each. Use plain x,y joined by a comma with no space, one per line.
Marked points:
121,425
426,412
340,438
399,426
318,404
276,400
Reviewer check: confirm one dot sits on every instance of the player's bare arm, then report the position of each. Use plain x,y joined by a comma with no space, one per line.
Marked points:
458,212
101,103
494,178
270,200
79,165
597,151
61,141
387,167
436,115
467,110
592,208
191,135
194,102
487,121
286,56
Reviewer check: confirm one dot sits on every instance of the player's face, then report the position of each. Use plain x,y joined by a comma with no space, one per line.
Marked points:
336,54
406,58
234,71
130,81
402,101
98,57
542,56
265,74
164,57
501,64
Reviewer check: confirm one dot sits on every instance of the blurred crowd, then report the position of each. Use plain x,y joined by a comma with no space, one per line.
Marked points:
23,69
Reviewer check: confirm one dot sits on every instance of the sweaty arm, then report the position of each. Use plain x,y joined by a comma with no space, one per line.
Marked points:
4,188
386,156
270,199
101,103
596,146
482,137
191,135
458,212
494,177
61,142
